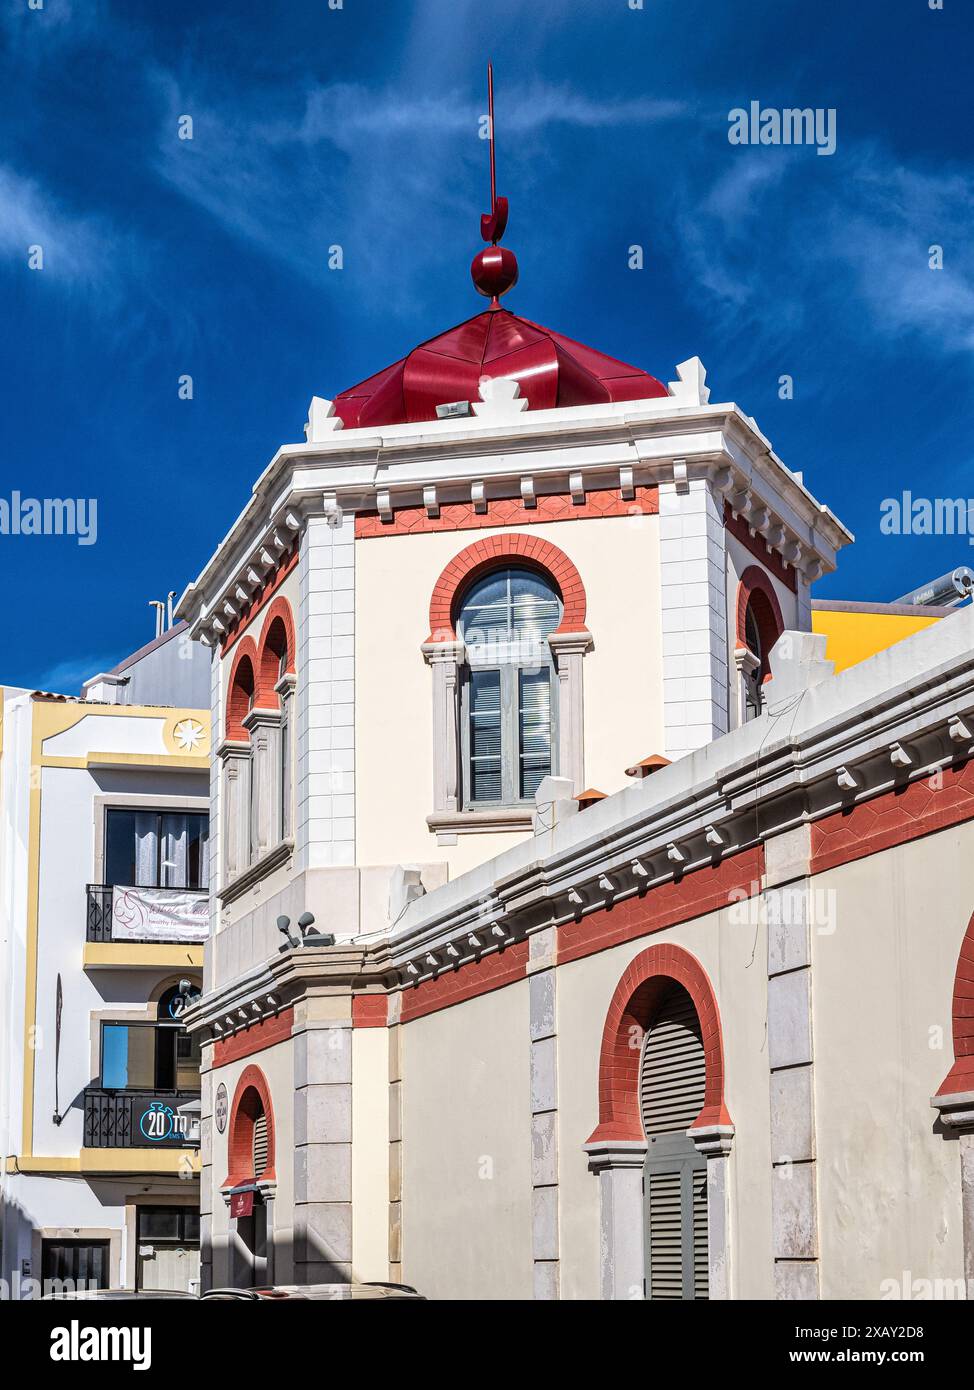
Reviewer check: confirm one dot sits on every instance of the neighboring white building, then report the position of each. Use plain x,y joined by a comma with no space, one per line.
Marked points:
103,914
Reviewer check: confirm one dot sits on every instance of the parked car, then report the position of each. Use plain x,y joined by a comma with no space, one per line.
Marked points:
317,1291
111,1295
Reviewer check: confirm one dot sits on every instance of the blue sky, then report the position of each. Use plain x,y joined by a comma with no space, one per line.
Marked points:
358,126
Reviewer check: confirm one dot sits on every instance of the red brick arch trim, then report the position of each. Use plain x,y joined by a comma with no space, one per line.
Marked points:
960,1078
243,674
630,1014
268,667
250,1098
756,591
515,548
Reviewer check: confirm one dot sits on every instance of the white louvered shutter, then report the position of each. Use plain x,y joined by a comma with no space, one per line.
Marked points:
260,1145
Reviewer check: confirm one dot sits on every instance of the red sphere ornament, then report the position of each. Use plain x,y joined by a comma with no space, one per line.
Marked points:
494,271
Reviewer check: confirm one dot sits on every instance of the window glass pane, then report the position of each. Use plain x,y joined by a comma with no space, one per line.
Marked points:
191,1224
120,848
165,1077
159,1223
147,848
128,1056
187,1061
535,607
485,615
507,606
534,704
485,736
197,852
183,849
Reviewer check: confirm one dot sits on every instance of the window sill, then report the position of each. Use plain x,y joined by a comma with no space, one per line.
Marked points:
500,819
269,861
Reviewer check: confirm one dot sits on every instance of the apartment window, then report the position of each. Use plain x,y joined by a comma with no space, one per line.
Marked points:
157,849
508,690
151,1056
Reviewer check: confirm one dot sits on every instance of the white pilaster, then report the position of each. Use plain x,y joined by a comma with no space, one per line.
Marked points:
694,616
325,774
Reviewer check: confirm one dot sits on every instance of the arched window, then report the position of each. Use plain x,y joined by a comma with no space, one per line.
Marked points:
508,704
672,1085
240,700
759,625
276,679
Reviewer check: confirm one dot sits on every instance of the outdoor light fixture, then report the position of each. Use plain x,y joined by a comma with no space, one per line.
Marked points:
307,938
284,927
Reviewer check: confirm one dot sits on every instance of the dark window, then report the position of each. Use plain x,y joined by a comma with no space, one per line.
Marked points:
181,1225
508,707
156,849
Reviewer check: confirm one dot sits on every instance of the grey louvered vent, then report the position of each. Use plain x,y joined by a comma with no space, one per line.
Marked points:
665,1235
673,1074
260,1145
672,1082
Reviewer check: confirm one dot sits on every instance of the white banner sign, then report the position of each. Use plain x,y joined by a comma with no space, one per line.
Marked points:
159,914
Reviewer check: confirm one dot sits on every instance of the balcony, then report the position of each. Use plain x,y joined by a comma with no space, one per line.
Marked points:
150,928
139,1119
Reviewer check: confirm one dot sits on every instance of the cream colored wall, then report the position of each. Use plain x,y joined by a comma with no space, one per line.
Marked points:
888,1185
734,956
618,560
467,1150
370,1153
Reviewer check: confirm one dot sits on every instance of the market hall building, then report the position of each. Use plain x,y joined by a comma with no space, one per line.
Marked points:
652,973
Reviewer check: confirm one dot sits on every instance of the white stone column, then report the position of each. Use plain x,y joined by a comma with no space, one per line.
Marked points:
545,1236
285,689
619,1165
234,758
794,1188
325,770
694,614
745,664
957,1117
569,649
322,1151
264,727
715,1142
445,659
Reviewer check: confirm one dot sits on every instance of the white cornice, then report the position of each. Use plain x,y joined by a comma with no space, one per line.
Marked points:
609,446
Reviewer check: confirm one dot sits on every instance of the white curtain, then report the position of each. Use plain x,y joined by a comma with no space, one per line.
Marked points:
175,846
146,849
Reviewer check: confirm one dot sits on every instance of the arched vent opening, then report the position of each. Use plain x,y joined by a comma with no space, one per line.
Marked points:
673,1075
260,1145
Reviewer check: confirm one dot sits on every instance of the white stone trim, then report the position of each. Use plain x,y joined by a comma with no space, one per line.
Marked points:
619,1165
694,616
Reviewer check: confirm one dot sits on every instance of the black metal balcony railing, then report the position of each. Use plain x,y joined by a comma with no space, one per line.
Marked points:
99,911
138,1120
99,927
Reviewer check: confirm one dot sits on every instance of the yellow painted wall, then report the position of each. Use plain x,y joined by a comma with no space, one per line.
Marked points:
852,637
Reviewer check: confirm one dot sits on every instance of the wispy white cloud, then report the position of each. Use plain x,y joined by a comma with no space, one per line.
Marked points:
777,253
67,677
341,166
76,248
